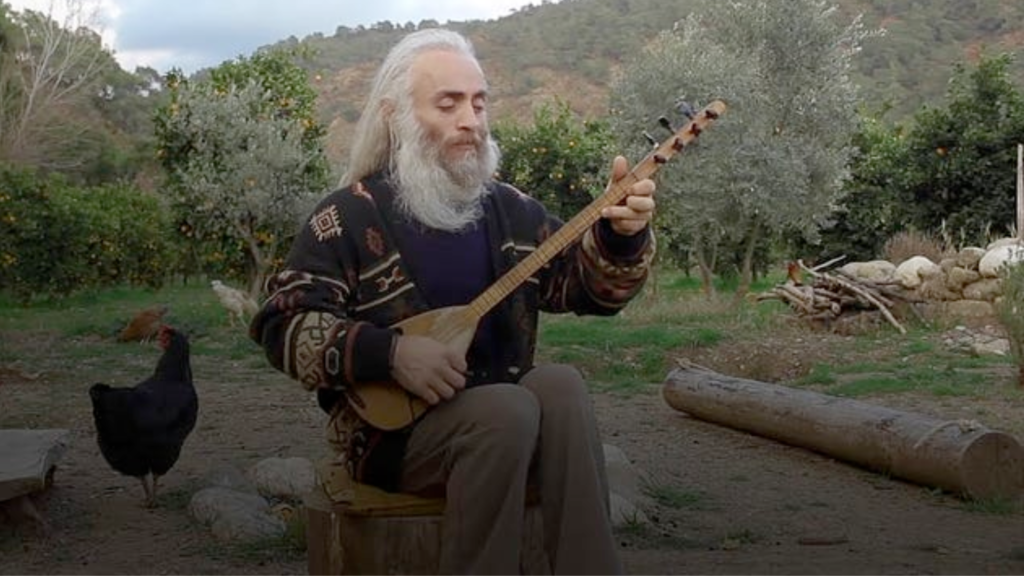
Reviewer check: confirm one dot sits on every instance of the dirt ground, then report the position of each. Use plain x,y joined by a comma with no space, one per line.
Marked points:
744,504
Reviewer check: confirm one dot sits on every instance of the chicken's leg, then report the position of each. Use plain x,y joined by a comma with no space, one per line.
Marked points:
145,486
156,481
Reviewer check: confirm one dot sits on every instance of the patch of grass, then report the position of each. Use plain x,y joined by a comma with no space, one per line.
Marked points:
71,344
617,354
820,374
916,347
872,385
994,506
178,498
645,536
289,547
746,536
672,497
607,334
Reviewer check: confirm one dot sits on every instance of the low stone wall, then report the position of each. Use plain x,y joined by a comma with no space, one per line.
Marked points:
966,285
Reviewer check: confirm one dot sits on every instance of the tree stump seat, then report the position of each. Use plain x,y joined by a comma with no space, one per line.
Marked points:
354,528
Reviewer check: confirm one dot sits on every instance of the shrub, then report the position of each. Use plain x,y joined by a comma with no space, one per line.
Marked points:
1010,312
58,239
903,246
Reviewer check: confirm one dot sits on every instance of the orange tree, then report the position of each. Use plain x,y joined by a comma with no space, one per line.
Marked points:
57,238
244,159
562,159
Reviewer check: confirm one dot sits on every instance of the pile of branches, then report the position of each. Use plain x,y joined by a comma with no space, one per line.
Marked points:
830,295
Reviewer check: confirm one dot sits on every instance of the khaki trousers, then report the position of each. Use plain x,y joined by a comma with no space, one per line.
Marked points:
479,450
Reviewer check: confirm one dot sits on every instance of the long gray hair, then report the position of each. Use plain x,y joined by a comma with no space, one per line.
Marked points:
374,137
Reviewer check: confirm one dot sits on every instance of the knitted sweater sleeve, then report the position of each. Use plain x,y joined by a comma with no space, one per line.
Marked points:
598,274
304,326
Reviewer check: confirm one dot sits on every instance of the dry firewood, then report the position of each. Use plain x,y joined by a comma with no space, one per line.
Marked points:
863,292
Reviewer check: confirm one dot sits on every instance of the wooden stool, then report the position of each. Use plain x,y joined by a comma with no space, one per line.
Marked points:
366,530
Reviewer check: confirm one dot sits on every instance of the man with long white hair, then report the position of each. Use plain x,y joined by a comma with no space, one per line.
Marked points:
419,223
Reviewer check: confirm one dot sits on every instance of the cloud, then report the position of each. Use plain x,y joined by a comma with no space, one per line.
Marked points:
193,34
190,34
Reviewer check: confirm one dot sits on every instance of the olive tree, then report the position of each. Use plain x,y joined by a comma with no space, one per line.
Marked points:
776,161
244,161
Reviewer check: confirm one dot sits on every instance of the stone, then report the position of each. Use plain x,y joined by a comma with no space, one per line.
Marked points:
873,271
993,261
957,277
225,475
969,257
986,290
27,458
624,512
911,272
623,478
1003,242
235,516
284,477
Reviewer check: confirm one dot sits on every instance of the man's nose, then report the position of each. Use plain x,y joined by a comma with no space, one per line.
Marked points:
468,117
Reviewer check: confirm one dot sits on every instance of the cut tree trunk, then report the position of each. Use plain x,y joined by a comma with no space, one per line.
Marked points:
960,456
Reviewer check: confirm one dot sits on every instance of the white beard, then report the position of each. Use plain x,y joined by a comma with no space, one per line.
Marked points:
436,193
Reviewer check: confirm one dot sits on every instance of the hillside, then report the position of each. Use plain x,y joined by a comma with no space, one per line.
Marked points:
572,49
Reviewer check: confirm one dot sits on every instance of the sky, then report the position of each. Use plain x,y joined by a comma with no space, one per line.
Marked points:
193,34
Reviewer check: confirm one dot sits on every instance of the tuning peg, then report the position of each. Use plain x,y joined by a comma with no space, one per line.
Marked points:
685,108
654,143
666,124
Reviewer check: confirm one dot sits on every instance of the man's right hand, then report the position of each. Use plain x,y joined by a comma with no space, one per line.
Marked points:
428,368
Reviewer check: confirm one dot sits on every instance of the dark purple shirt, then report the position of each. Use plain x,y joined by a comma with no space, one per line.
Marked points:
450,269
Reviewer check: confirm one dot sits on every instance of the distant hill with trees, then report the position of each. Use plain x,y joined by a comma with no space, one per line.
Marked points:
574,49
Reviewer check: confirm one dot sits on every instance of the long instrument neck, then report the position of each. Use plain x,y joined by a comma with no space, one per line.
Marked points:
560,240
574,229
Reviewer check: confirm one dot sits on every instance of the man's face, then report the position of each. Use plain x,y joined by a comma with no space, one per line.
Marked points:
449,98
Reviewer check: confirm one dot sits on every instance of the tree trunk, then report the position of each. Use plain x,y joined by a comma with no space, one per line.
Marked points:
963,457
341,540
707,275
747,267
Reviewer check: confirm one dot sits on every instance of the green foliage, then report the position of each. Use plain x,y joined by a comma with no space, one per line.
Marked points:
950,173
244,161
870,212
58,239
776,160
960,160
1010,312
559,160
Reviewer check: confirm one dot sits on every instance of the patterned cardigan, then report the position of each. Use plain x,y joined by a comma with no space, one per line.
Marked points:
325,321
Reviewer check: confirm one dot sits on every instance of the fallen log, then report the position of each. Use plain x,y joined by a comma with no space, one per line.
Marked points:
960,456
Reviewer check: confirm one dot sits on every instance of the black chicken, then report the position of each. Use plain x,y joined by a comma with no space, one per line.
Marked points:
140,430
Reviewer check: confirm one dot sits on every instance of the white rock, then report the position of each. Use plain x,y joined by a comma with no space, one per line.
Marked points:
26,458
624,512
623,478
235,516
284,477
911,272
993,260
1002,242
873,271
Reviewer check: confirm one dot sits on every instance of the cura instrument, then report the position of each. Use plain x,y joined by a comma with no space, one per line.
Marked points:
388,406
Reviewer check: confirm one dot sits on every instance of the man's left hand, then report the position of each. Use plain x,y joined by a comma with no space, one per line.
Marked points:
636,210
